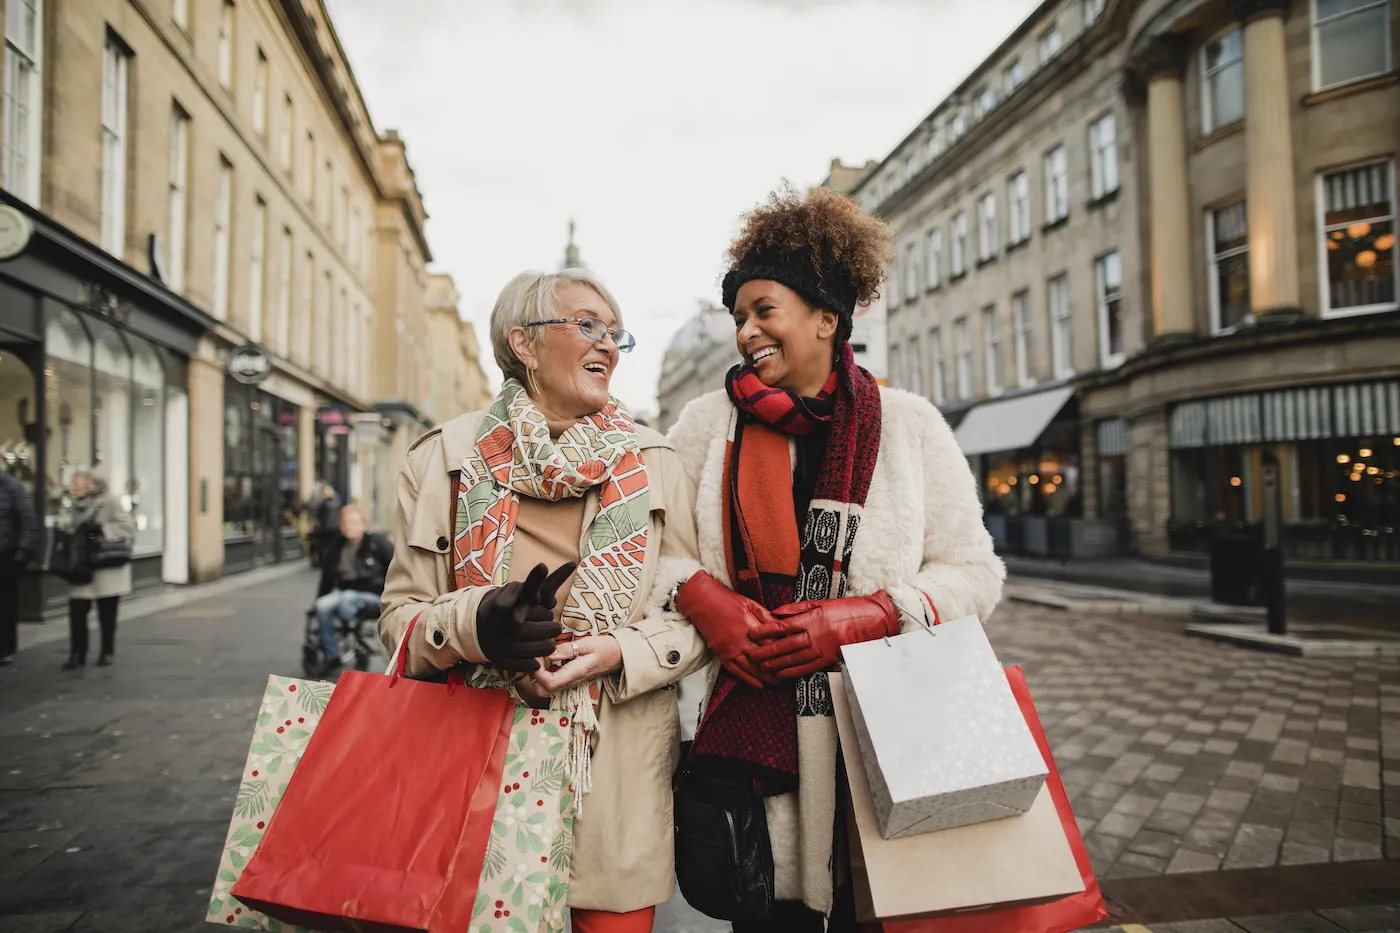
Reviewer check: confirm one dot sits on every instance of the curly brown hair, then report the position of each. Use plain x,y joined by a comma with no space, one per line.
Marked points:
829,225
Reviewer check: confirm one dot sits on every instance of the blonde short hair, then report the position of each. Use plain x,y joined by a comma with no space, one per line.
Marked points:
533,296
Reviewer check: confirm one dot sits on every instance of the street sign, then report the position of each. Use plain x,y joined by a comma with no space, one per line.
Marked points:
250,364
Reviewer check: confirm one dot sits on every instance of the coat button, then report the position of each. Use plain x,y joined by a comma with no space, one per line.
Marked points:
438,639
442,544
673,658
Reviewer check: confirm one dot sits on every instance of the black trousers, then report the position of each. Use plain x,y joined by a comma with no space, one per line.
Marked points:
77,625
9,604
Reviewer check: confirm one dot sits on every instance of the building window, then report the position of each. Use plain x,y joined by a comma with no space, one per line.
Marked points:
308,175
226,45
288,132
896,270
1227,233
959,126
935,257
111,408
305,311
959,244
180,14
1103,158
255,270
1222,72
223,211
260,95
1018,192
987,227
896,366
1358,224
1109,275
916,366
936,372
1093,9
284,292
1060,343
962,361
1015,76
148,446
1021,324
1351,40
986,102
67,388
1050,43
327,189
116,61
344,219
911,271
992,337
179,169
24,97
1056,185
324,324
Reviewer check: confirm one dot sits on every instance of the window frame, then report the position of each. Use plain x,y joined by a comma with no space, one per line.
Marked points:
1018,196
223,240
916,365
1103,158
991,351
227,30
911,270
1314,28
1014,76
262,72
286,251
937,376
1061,315
962,359
987,246
257,270
1056,184
1213,267
1208,120
933,258
959,260
116,76
177,201
1021,329
287,153
1324,276
31,149
1043,42
1108,358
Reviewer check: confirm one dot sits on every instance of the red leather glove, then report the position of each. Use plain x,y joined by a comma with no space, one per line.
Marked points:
725,619
804,638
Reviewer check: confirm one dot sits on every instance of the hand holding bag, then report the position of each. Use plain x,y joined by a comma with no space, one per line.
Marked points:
107,552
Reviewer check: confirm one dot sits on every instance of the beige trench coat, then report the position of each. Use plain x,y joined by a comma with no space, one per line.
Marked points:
623,857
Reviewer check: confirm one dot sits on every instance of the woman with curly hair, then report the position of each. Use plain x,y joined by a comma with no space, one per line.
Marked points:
829,511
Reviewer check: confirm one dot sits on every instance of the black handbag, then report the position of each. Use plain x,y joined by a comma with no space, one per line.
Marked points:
724,860
71,558
106,552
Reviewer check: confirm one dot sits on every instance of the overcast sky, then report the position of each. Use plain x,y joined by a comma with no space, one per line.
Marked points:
653,123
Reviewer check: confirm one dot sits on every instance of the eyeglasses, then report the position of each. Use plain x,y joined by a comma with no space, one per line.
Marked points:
594,330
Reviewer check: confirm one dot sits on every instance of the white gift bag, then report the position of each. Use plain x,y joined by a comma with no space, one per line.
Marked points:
943,741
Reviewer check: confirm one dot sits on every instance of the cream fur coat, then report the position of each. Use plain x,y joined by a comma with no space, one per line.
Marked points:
921,534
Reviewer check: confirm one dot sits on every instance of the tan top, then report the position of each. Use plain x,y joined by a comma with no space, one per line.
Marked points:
547,533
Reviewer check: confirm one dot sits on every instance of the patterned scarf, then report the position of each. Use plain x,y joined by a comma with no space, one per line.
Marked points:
769,563
515,456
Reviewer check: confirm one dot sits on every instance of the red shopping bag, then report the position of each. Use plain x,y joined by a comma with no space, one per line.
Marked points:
385,823
1060,916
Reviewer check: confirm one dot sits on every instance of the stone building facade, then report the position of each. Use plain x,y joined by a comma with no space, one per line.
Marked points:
1146,253
198,179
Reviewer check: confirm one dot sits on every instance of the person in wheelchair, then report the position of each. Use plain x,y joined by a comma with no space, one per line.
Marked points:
353,568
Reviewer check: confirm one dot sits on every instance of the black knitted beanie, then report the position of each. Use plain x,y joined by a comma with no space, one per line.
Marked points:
821,281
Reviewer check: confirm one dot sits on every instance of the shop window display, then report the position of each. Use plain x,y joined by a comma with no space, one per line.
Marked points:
111,410
68,404
18,421
148,446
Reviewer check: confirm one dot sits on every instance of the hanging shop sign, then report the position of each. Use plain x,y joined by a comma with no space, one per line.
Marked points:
15,231
250,364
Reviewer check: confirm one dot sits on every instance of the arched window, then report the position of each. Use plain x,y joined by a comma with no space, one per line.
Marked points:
147,446
111,410
67,404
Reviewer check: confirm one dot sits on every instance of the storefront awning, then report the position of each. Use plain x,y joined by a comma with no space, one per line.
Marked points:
1010,424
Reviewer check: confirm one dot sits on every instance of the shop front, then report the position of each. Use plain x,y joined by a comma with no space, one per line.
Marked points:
262,497
93,378
1025,453
1338,447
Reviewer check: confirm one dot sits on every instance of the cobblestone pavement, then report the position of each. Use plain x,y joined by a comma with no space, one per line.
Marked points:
1210,781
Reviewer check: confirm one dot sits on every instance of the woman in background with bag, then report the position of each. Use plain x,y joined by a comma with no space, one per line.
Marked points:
556,474
830,511
107,530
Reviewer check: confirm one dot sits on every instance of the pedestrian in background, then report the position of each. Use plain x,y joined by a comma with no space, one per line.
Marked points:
831,511
352,578
325,521
556,474
97,512
18,535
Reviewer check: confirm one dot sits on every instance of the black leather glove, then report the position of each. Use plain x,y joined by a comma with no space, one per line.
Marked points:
515,624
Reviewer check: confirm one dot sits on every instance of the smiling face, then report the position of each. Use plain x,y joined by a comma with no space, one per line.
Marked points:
787,342
572,373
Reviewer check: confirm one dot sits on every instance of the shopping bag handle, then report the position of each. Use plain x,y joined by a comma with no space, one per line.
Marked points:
398,664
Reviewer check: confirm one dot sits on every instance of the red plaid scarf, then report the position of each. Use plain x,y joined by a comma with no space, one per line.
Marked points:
759,727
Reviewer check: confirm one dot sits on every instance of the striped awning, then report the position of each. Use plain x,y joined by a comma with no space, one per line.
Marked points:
1361,409
1112,438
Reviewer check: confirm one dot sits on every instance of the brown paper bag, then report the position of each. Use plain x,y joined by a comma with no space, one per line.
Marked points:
1014,861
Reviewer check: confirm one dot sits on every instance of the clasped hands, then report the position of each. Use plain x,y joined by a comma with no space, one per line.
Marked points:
762,648
515,628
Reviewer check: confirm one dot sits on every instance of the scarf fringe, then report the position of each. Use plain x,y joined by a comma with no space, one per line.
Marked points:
583,723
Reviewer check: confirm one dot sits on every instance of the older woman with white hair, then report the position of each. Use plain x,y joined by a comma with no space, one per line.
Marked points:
98,515
556,474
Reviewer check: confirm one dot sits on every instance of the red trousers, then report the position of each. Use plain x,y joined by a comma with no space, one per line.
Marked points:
602,921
